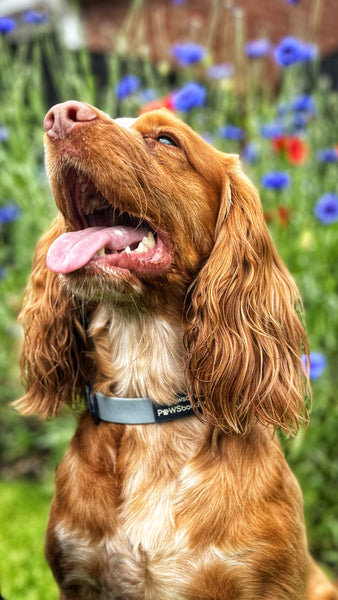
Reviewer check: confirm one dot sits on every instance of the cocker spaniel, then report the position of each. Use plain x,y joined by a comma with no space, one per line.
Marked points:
158,307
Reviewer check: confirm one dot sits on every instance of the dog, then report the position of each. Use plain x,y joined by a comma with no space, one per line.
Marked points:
159,308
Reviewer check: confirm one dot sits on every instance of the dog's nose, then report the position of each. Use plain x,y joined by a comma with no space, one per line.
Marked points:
61,118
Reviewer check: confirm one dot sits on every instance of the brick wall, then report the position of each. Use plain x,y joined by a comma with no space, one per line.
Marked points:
311,20
161,22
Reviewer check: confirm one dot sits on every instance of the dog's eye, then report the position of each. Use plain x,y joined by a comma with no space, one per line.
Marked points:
165,139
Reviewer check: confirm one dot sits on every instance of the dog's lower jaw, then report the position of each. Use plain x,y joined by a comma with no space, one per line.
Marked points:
113,288
128,293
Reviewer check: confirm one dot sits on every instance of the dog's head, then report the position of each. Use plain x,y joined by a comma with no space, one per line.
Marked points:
140,200
153,217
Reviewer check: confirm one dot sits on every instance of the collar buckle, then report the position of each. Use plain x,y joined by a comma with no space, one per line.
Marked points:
92,404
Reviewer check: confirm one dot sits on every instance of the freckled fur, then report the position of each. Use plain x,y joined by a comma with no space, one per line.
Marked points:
203,508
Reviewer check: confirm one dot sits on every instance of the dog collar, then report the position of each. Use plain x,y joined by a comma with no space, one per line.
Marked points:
135,411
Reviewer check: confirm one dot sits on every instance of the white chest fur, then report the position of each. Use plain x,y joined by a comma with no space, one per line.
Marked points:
138,355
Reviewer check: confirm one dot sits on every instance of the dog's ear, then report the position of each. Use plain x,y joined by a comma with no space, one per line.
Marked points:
244,339
53,361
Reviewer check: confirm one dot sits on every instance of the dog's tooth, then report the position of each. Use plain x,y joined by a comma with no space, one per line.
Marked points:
99,253
127,250
141,247
149,240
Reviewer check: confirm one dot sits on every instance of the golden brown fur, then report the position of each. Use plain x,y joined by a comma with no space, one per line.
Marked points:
199,508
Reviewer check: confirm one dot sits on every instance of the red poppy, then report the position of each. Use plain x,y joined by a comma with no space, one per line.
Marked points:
284,214
294,148
297,151
165,102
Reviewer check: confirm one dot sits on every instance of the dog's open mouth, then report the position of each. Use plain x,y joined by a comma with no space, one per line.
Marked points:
104,237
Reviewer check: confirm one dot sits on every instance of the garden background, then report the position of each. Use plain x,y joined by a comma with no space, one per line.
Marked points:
270,104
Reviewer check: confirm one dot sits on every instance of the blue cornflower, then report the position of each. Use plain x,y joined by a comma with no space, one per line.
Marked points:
298,122
315,366
34,17
301,104
7,24
272,129
250,153
4,134
257,48
327,155
326,209
231,132
222,71
9,213
304,103
291,51
2,272
276,180
126,86
190,96
188,53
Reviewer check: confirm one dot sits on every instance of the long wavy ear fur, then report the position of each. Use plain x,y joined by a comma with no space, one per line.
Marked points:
53,361
244,339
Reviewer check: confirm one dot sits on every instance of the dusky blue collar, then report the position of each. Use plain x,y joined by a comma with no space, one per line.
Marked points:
135,411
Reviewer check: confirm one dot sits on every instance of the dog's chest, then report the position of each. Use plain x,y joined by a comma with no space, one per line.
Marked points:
143,554
147,553
149,550
142,559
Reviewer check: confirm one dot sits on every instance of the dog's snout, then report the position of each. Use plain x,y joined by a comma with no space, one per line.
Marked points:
61,118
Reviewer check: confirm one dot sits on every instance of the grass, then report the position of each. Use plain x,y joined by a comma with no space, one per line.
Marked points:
24,573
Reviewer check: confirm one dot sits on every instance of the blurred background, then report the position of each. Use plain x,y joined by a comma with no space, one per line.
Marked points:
259,79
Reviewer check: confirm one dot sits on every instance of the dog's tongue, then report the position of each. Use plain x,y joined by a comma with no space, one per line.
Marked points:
74,249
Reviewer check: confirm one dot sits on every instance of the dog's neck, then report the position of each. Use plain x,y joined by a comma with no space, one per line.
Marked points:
137,354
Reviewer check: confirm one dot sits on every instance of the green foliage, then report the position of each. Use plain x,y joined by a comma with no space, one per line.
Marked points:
308,247
24,573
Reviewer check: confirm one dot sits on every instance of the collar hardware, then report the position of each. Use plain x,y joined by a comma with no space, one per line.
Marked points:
92,404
